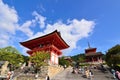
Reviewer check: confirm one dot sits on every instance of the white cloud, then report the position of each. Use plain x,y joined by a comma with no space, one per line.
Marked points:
38,34
40,19
72,32
25,28
8,18
4,40
8,23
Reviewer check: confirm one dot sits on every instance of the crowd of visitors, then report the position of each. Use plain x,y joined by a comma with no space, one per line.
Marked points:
85,71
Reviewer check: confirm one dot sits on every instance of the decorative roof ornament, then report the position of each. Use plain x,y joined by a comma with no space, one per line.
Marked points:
89,45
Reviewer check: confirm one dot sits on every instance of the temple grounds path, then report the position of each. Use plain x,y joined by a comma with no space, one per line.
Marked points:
98,75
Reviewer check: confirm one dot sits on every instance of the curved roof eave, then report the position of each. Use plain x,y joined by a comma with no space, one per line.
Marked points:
32,41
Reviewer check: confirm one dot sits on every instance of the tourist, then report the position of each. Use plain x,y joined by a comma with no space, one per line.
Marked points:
118,75
47,77
91,75
113,72
83,71
36,76
87,73
64,66
8,75
11,76
73,70
80,70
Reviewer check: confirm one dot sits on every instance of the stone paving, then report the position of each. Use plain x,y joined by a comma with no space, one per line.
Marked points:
98,75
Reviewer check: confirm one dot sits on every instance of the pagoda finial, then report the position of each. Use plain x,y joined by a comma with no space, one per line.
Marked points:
89,45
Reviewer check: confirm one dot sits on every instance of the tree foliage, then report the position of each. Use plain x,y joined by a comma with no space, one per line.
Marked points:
40,58
79,58
75,58
12,55
63,61
113,56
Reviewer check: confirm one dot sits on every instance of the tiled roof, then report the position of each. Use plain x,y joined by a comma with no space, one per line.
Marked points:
94,54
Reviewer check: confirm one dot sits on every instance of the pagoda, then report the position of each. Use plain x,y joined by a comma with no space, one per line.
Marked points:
92,56
52,43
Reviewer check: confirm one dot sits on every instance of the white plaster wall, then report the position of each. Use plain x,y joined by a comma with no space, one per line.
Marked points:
54,58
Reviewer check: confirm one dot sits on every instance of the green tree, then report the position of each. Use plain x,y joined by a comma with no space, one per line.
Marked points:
81,58
26,59
113,56
75,58
63,61
40,59
12,55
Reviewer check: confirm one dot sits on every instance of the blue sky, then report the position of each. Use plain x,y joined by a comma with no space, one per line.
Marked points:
79,21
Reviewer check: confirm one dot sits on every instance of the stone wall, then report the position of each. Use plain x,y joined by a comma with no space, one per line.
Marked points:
47,70
54,70
4,68
25,77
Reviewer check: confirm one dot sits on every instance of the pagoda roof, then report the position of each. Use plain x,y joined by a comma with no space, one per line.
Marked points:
94,54
53,38
91,49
